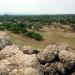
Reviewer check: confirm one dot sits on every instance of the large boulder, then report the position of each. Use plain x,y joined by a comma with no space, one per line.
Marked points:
27,63
9,51
50,69
54,68
49,54
60,68
4,39
67,58
21,64
29,50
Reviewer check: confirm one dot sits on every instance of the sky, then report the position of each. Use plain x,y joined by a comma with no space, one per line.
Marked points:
37,6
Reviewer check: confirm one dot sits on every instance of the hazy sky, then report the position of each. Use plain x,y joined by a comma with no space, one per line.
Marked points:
37,6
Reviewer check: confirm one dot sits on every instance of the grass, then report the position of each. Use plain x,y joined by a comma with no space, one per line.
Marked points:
51,37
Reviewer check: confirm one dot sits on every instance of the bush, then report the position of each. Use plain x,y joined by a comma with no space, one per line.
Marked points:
34,35
73,26
2,27
20,29
14,28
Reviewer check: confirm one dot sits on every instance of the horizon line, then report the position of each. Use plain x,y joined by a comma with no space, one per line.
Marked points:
38,14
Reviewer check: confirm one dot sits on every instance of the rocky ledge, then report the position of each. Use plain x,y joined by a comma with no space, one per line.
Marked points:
24,60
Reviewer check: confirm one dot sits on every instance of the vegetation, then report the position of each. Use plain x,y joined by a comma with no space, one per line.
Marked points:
32,25
34,35
50,37
37,20
21,28
73,27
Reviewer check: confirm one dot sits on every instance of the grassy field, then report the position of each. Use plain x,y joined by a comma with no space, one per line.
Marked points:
54,36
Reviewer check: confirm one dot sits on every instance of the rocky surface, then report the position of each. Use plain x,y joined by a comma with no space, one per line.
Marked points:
29,50
18,60
4,39
49,54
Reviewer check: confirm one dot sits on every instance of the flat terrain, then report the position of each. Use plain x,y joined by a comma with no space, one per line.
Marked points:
54,36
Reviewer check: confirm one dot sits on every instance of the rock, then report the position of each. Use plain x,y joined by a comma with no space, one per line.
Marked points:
59,67
9,51
4,39
21,64
67,58
73,73
50,70
63,47
53,60
46,65
27,64
49,54
14,72
55,68
4,67
27,71
41,58
29,50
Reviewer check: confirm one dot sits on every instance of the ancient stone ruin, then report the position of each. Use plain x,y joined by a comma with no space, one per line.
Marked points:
18,60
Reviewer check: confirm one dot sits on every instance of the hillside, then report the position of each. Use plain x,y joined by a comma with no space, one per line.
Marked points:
25,60
52,36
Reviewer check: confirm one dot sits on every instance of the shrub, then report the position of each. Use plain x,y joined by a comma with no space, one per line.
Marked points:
34,35
2,27
14,28
73,26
